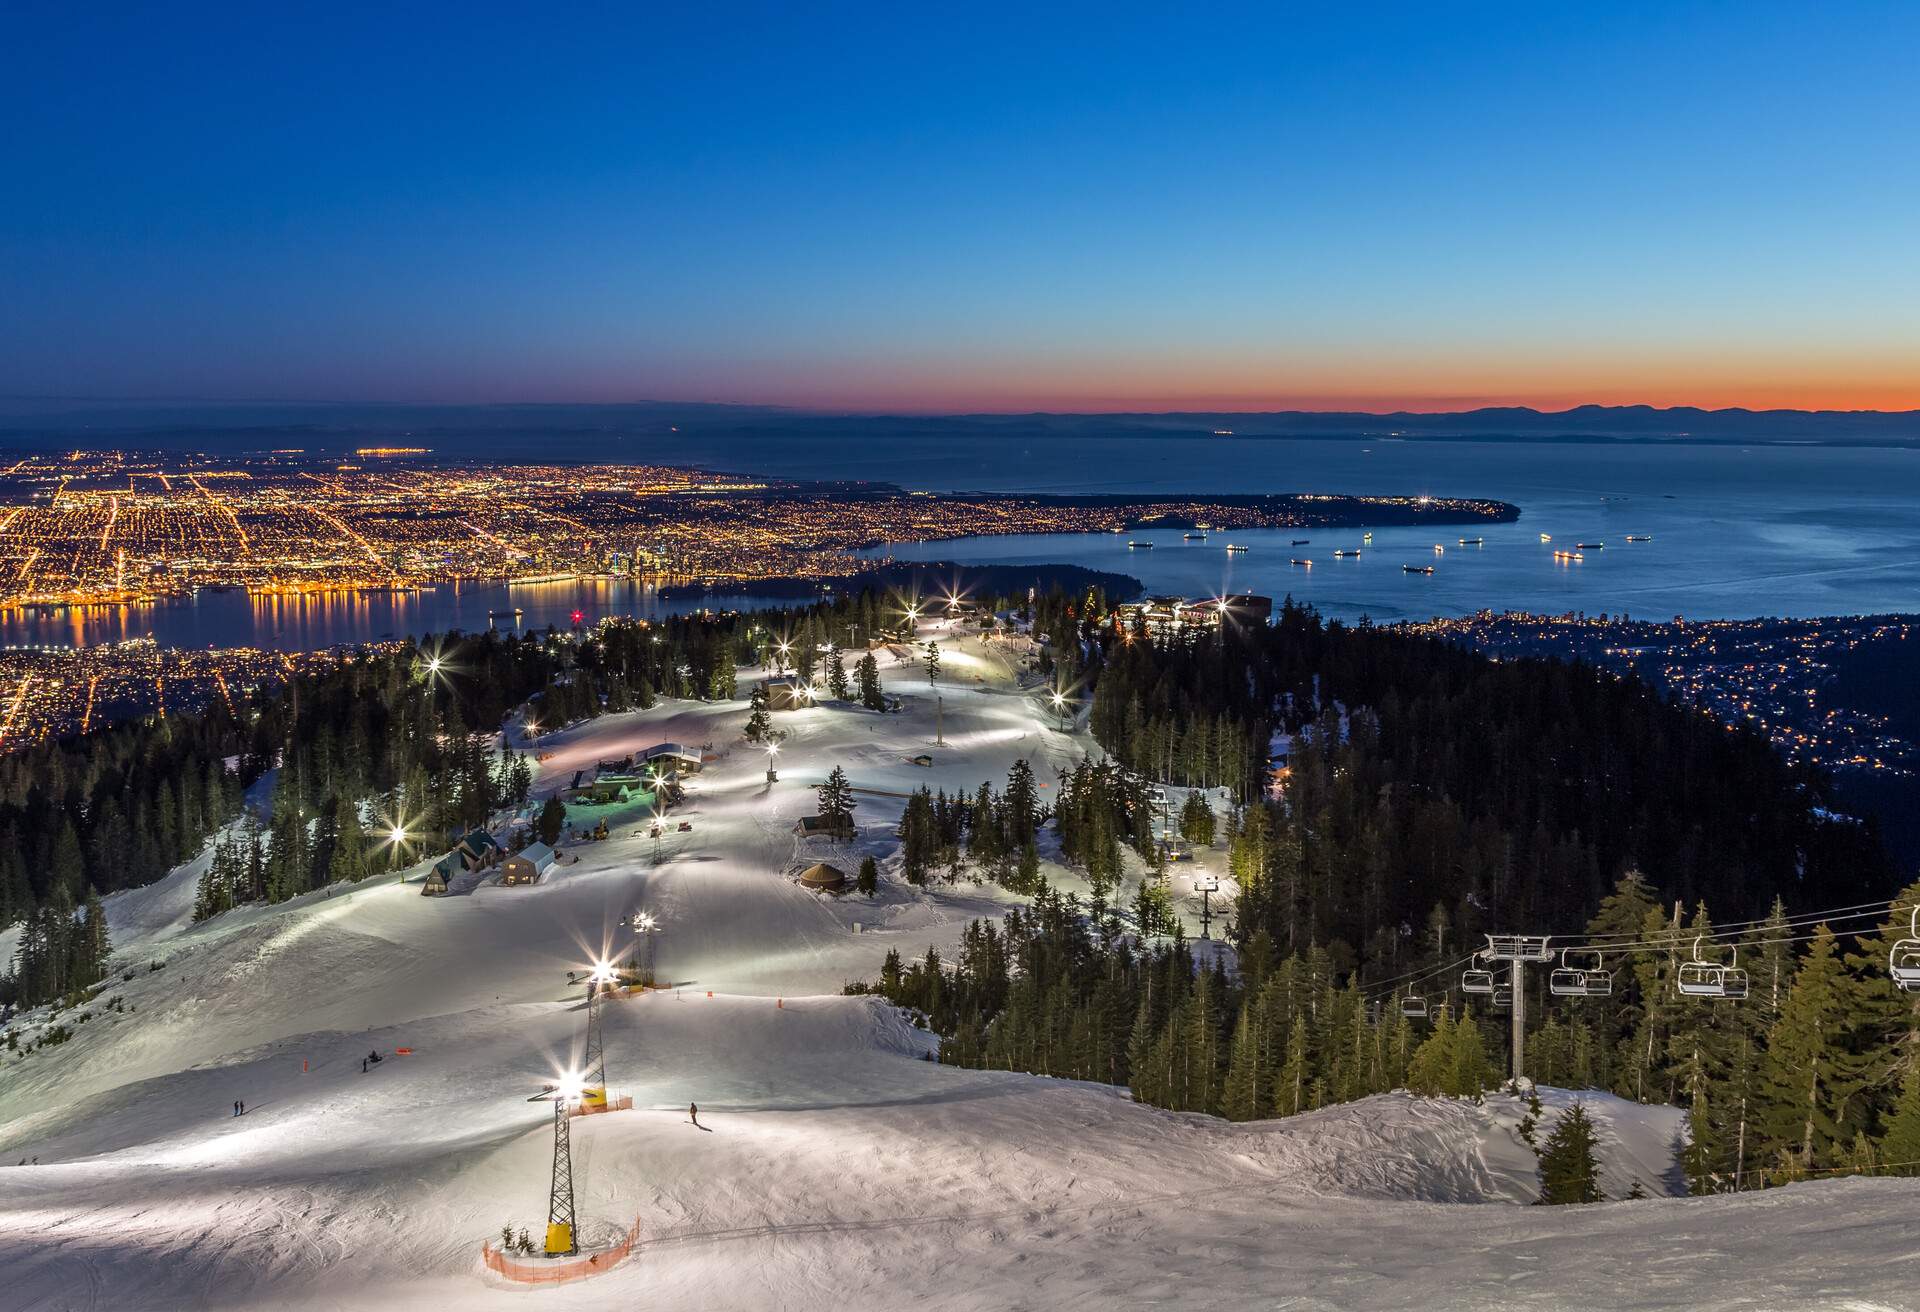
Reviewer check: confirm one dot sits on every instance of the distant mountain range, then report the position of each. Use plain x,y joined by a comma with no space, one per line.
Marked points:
584,431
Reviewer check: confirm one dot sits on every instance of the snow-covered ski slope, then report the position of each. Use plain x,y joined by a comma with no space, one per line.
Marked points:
843,1170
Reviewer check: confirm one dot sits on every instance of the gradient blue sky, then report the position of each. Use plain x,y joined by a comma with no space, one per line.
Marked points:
947,207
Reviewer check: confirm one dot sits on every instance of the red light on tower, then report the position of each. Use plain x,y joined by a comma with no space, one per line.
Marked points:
578,616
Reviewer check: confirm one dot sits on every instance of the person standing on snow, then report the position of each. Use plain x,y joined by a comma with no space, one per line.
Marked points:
693,1114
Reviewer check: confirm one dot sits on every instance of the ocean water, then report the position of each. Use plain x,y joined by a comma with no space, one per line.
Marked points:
1736,533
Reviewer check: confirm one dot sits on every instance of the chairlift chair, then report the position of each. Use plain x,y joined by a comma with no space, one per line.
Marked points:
1503,998
1476,981
1516,947
1710,979
1903,962
1571,981
1413,1008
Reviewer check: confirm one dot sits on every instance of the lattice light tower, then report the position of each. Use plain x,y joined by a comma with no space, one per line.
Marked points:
562,1227
594,1094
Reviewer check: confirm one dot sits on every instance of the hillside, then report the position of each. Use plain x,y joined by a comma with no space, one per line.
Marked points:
842,1169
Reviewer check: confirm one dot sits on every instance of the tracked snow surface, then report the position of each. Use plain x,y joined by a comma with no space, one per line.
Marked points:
843,1170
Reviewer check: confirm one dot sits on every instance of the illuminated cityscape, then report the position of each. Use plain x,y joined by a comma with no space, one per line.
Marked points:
1792,680
109,527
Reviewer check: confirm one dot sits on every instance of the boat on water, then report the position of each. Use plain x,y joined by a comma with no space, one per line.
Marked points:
1300,542
1568,555
1590,546
1439,550
513,613
1546,537
1304,564
1366,537
1473,542
1140,546
1194,537
1346,555
1639,537
1418,569
1235,546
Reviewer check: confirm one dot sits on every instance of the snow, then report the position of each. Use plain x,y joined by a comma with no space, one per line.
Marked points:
843,1169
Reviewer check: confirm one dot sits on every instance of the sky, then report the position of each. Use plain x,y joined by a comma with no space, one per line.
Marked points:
958,207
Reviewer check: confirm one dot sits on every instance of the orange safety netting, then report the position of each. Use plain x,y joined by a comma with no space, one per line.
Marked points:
551,1271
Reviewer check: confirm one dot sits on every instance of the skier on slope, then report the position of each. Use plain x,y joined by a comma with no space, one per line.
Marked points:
693,1114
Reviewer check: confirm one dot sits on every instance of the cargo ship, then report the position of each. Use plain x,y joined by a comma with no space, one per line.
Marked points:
1346,555
1546,537
1300,542
1590,546
1194,537
1418,569
1140,546
1304,564
1473,542
1568,555
1639,537
1235,546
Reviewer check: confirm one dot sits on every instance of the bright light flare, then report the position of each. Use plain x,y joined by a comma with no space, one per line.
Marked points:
570,1088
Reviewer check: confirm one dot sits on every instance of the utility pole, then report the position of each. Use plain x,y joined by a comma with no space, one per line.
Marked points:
939,721
1209,885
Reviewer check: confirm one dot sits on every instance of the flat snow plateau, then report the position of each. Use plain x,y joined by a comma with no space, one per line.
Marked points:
842,1170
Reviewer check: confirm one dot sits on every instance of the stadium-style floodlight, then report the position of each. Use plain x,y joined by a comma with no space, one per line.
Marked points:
773,752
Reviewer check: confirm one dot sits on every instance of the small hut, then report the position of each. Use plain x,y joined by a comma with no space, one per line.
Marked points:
823,877
435,884
529,865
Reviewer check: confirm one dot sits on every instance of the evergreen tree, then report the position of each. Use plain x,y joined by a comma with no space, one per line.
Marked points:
1810,1075
836,799
551,820
867,882
759,717
930,659
1569,1170
867,673
1900,1144
837,684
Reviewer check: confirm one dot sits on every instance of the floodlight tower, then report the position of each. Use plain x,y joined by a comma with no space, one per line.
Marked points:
645,925
561,1225
594,1094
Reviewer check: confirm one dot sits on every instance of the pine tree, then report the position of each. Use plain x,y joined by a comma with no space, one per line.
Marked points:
836,799
551,820
759,718
1569,1172
930,659
867,674
837,675
1809,1074
1900,1144
867,882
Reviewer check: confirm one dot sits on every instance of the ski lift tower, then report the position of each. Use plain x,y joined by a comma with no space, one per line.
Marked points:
1208,886
1517,950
